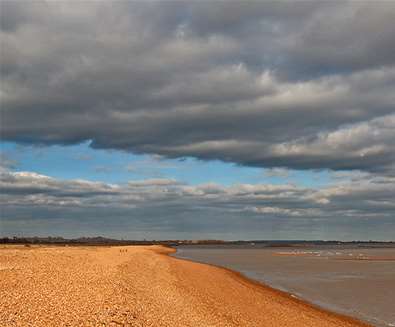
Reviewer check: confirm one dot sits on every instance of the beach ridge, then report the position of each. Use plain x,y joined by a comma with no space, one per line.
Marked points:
140,286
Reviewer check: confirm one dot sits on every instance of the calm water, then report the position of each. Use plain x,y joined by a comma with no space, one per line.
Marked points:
359,282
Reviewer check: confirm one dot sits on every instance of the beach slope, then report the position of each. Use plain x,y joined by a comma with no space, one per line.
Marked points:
138,286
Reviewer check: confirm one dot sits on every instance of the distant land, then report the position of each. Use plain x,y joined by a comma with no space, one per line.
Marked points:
99,240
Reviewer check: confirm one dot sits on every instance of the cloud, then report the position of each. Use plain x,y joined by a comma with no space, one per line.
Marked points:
83,157
264,84
153,182
151,166
277,172
171,208
102,169
6,162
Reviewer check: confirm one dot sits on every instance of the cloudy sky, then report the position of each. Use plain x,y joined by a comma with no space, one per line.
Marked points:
232,120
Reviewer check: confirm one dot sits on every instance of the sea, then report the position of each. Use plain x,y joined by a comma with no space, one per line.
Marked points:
352,280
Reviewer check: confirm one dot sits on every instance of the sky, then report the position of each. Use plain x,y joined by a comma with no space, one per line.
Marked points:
226,120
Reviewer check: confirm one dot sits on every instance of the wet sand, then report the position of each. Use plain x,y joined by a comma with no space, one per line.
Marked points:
139,286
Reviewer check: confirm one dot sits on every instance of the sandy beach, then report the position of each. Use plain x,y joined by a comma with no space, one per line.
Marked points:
138,286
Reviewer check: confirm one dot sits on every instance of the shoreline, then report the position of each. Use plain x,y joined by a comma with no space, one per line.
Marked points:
141,286
261,285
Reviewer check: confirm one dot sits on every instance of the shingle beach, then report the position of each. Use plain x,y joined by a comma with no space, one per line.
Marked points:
138,286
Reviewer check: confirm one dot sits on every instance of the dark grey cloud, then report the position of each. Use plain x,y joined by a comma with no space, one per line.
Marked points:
361,207
263,84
